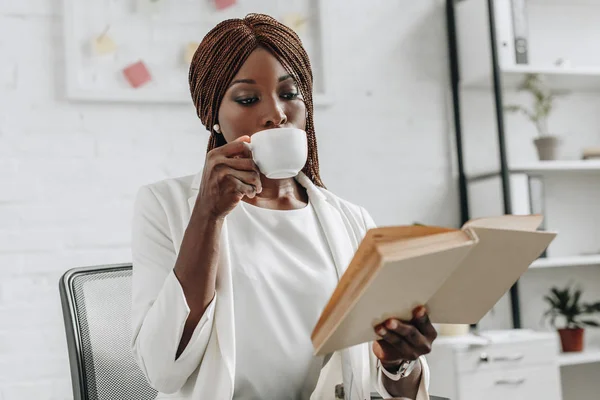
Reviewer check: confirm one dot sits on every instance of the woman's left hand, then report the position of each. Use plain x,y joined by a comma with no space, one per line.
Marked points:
404,340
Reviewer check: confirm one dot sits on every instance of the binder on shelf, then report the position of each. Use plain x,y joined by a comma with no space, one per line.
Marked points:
520,32
504,32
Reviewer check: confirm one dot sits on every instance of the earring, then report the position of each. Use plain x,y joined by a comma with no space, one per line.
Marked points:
217,128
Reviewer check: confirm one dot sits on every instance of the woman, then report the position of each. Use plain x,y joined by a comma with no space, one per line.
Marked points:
231,269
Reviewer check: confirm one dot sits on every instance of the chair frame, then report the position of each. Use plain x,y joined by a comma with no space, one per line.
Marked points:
79,380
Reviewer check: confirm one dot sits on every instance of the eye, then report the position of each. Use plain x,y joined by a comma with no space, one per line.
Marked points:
290,95
246,101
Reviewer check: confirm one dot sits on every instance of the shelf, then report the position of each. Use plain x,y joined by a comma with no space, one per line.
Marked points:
575,261
543,168
553,167
591,355
559,79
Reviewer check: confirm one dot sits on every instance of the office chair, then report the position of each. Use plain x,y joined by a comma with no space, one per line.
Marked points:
96,304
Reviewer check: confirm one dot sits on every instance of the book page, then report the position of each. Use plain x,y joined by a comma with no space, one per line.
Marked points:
487,273
512,222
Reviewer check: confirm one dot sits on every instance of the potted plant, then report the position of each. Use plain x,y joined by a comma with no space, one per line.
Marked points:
566,304
543,103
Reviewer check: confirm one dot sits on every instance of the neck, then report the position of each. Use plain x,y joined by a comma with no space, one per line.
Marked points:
274,189
280,194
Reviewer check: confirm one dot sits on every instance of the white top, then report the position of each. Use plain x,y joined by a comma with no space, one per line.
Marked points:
283,275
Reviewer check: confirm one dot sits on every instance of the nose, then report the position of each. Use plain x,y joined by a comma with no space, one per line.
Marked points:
275,115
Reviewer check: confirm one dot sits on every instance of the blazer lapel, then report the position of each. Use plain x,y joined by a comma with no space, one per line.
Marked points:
355,372
332,224
224,313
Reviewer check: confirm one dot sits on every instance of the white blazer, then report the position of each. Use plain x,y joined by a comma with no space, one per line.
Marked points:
206,368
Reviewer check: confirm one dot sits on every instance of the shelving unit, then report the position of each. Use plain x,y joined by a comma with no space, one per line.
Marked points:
482,60
477,28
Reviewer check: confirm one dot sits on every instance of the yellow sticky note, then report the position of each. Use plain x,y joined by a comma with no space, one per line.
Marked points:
104,45
190,50
296,21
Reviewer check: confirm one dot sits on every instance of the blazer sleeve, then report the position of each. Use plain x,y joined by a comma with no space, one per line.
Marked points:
376,374
159,308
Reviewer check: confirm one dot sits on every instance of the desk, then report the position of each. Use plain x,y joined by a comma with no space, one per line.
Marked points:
498,365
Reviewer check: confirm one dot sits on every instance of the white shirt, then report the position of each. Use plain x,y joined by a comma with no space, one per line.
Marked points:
283,275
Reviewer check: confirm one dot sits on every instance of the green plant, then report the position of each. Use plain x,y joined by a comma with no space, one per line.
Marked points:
567,303
543,103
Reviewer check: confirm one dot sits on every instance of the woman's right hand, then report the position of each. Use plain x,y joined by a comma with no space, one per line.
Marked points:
229,174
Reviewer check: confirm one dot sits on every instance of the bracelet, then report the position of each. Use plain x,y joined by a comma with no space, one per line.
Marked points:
404,369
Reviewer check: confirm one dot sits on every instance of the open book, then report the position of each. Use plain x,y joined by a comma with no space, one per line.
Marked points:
458,274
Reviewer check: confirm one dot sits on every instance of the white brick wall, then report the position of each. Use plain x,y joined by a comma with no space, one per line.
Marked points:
68,172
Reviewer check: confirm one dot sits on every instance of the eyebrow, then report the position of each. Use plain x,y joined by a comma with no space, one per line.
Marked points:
253,82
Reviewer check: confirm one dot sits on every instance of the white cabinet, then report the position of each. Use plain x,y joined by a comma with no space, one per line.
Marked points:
496,365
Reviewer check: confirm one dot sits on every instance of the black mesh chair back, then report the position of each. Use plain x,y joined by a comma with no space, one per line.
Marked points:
96,304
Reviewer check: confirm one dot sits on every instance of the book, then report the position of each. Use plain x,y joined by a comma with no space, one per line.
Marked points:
591,153
458,274
520,31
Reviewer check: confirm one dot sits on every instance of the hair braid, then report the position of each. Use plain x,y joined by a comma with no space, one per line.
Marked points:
224,50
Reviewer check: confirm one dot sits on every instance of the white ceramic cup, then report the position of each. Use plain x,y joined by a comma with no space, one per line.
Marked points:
279,153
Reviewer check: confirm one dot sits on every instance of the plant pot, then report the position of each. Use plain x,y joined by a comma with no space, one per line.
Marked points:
547,147
571,340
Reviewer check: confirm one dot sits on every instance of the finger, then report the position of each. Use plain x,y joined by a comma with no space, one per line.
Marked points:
244,138
390,353
387,335
423,324
236,148
251,178
239,188
410,334
241,164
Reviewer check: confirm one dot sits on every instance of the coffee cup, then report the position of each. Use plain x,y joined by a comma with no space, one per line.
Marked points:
279,153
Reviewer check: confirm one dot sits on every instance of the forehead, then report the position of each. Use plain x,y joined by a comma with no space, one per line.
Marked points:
261,65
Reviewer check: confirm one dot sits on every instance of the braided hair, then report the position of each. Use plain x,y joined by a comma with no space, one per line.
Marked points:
221,54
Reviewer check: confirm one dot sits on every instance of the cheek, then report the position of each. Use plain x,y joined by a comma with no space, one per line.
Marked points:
296,114
235,121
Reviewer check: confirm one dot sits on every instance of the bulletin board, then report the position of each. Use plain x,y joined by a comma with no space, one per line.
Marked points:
139,50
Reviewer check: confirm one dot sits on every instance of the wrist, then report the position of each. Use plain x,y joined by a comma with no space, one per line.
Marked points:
397,370
205,219
391,367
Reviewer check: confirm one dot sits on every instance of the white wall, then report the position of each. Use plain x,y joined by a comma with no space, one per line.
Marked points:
68,172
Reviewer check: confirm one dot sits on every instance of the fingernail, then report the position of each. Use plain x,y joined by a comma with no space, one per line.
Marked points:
392,324
420,313
382,331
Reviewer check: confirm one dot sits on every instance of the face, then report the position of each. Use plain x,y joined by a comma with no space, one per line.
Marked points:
261,96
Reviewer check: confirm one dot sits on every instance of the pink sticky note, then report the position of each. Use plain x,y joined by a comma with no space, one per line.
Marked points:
223,4
137,74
